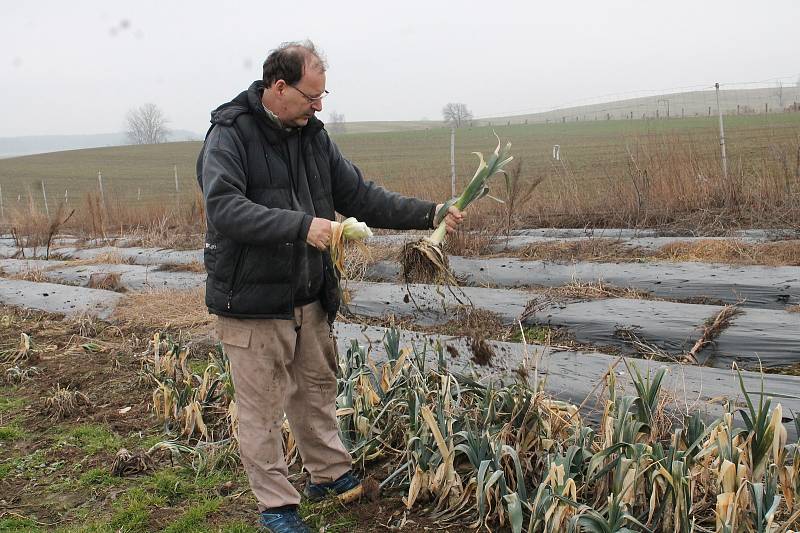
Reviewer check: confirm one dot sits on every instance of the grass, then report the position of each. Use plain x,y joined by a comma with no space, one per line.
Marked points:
92,438
98,477
328,515
19,525
133,510
623,172
9,403
194,519
533,335
11,433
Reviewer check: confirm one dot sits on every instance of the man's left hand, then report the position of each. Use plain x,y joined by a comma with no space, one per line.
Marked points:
453,219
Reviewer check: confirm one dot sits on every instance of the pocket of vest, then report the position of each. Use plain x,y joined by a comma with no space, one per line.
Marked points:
235,281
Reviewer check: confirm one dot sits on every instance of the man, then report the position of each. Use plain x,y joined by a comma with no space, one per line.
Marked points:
272,180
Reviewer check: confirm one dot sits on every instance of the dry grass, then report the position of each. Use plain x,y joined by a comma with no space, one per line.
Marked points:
194,266
31,274
468,243
781,253
168,309
177,226
106,258
596,290
731,251
793,309
359,257
579,250
107,281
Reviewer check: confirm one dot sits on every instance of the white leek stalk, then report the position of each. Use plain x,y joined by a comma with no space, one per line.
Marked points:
349,229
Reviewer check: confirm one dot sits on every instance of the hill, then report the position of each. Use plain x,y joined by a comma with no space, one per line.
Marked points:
676,105
39,144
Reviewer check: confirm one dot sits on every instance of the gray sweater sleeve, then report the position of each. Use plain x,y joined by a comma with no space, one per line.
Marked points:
371,203
229,210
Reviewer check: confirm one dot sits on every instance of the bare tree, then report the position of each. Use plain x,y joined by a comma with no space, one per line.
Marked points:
146,125
336,122
456,114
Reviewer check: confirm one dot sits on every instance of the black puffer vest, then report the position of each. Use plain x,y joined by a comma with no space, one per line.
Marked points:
252,281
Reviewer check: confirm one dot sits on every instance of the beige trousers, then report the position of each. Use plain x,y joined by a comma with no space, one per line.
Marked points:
285,366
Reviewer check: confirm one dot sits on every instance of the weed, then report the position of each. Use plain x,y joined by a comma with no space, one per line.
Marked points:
97,477
19,525
16,374
533,334
11,433
92,438
167,484
194,519
133,510
8,403
63,403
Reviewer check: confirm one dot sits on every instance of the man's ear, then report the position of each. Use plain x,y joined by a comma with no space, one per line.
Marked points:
279,86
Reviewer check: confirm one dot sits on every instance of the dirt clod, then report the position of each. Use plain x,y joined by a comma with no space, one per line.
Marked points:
482,351
108,281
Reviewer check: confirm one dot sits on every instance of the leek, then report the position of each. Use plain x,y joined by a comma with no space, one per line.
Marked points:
349,229
425,260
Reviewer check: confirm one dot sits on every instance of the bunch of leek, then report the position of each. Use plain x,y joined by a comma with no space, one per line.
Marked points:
349,229
425,261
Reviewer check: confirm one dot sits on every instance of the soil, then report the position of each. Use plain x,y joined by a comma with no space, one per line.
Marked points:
42,468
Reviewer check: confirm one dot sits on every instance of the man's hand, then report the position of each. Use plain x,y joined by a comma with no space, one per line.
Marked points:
453,219
319,233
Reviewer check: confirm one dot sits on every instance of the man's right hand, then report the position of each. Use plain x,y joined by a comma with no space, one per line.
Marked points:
319,233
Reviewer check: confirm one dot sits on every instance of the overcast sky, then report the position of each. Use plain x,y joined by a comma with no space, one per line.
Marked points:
77,67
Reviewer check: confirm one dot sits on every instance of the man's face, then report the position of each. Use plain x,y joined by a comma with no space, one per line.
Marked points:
295,108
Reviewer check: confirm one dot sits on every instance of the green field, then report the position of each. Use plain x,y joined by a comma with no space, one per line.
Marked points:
590,151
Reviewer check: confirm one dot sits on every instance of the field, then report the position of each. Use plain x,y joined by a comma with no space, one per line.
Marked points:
610,173
600,364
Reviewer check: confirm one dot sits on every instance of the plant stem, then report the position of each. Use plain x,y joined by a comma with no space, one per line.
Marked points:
438,236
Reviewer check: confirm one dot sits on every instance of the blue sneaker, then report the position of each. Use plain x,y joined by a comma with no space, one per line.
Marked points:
346,489
283,520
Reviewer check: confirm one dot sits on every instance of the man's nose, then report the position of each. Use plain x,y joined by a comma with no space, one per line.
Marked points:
316,105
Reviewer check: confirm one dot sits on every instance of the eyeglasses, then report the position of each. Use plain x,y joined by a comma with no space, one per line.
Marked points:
311,99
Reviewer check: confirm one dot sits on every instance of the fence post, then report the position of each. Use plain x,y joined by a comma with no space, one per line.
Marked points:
2,214
44,195
175,169
452,162
100,180
722,138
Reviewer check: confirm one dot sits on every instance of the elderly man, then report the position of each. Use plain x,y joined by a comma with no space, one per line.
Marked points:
272,180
